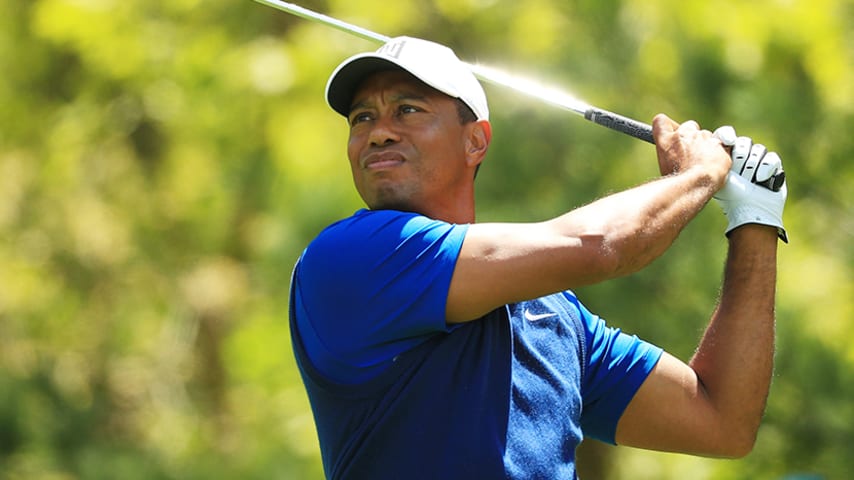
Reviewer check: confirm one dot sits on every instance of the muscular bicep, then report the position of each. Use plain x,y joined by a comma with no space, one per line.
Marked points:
671,412
501,263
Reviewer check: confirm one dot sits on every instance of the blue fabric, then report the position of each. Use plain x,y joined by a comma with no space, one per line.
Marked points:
396,393
423,417
617,364
377,284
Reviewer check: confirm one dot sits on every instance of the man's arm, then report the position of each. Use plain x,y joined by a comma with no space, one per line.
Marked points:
611,237
713,405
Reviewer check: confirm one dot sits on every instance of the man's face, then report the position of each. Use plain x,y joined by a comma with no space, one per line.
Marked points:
407,145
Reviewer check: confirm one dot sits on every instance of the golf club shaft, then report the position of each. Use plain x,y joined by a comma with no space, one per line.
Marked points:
605,118
326,20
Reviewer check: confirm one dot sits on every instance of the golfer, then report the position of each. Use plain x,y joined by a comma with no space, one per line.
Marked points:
434,347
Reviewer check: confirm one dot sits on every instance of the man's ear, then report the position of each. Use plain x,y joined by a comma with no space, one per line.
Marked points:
478,136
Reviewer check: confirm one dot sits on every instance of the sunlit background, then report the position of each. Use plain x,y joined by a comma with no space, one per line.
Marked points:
164,162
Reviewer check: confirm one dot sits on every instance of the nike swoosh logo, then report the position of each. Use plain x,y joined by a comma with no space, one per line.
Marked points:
531,317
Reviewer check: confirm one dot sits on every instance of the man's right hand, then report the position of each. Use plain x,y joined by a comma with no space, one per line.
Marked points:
681,147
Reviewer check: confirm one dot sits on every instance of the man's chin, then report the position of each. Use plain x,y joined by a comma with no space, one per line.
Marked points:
389,199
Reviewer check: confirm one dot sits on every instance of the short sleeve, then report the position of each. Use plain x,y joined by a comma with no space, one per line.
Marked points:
616,366
372,286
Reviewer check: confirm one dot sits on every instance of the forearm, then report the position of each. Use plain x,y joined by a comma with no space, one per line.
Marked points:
734,360
616,235
631,228
611,237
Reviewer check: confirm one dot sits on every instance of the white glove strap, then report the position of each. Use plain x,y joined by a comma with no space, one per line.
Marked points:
741,214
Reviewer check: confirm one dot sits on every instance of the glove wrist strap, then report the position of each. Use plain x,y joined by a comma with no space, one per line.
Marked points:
744,215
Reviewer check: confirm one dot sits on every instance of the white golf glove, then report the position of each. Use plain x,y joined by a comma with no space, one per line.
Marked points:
749,194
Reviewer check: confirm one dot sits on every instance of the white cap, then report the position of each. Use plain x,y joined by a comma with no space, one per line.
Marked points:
434,64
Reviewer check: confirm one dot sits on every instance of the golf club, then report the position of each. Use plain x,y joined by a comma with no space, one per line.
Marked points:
525,86
553,96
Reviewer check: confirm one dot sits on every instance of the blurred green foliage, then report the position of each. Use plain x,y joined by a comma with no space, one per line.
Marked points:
163,163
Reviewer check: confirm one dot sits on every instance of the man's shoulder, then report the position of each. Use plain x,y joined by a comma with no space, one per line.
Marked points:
371,238
370,222
375,229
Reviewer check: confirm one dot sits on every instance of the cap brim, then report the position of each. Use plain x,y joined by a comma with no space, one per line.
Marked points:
346,79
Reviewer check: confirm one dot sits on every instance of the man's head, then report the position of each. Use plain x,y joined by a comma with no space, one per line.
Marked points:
433,64
418,127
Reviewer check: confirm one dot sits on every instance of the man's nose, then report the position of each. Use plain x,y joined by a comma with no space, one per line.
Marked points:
384,132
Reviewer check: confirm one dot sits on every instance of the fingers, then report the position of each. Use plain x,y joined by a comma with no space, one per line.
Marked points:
753,162
692,129
686,145
688,127
740,152
726,135
768,167
757,152
662,124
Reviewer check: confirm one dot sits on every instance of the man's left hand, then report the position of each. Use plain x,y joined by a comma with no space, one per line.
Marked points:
747,196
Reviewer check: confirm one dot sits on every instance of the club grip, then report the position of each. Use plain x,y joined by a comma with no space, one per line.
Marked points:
640,130
643,132
774,183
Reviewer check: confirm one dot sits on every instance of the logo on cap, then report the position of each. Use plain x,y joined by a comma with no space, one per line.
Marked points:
392,49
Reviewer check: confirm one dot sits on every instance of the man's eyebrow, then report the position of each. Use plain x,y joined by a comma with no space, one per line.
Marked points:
402,96
358,105
408,96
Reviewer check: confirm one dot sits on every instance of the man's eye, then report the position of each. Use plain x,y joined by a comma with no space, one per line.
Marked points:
359,118
408,109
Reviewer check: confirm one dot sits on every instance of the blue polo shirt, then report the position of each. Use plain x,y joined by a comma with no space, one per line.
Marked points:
396,392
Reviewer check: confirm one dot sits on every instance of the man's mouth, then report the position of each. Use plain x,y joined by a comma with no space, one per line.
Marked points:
381,160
